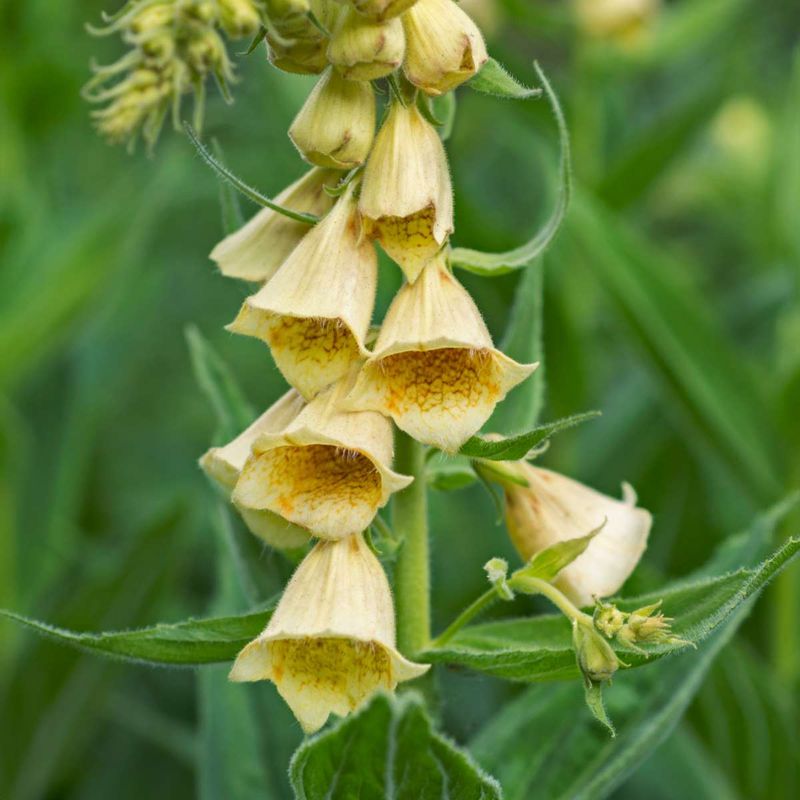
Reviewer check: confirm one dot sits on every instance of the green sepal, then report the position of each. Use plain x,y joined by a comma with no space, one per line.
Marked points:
593,692
547,563
496,80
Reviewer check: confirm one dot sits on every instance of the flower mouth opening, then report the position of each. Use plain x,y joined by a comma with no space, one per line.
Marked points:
311,352
332,491
408,240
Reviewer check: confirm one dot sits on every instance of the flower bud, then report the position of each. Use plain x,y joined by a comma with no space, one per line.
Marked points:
444,46
555,508
382,9
328,471
434,369
330,644
239,18
315,311
152,18
258,248
407,197
626,22
596,658
295,43
300,56
289,17
336,125
224,465
363,49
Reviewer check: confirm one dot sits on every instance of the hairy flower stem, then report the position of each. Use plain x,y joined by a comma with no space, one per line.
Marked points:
412,572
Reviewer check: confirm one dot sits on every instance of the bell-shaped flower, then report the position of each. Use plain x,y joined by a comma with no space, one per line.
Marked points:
295,43
407,197
258,248
336,125
328,471
330,644
224,465
382,9
315,311
434,369
554,508
444,46
364,49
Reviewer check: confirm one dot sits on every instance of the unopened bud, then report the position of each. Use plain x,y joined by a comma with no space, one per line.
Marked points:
365,49
444,47
497,573
608,619
382,9
596,658
336,125
239,18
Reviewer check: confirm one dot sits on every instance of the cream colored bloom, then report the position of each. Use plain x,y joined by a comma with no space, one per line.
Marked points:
258,248
626,22
382,9
555,508
315,311
444,46
330,644
295,43
224,465
434,369
407,197
364,49
336,125
329,470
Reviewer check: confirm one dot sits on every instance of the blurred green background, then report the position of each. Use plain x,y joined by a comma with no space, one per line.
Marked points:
671,305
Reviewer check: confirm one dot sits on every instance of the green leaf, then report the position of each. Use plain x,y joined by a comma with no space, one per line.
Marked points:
593,694
547,563
492,264
449,473
496,80
181,644
516,447
540,648
716,391
215,380
388,750
224,174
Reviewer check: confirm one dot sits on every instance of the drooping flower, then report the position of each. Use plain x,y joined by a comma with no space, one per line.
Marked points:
434,369
336,125
315,311
330,644
328,471
407,197
382,9
258,248
295,43
364,49
224,464
444,46
554,508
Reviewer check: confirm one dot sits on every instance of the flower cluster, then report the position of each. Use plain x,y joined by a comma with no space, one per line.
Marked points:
175,46
318,463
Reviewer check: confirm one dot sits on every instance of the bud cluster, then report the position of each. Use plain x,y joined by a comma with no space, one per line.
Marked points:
175,46
318,463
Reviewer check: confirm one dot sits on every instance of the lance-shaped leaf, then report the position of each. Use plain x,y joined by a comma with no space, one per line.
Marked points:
387,750
540,648
515,448
547,563
494,79
491,264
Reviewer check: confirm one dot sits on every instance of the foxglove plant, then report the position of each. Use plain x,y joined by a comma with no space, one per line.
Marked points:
376,414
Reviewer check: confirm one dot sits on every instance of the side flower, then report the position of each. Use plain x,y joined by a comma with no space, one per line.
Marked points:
555,508
407,197
328,471
434,369
259,247
330,644
225,464
444,46
315,312
364,49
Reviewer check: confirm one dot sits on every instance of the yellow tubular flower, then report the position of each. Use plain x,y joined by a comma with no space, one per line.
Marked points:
329,470
382,9
336,125
294,43
407,197
315,312
224,465
444,46
363,49
258,248
555,508
434,369
330,644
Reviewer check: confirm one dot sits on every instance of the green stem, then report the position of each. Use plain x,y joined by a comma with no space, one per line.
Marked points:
528,585
412,571
476,607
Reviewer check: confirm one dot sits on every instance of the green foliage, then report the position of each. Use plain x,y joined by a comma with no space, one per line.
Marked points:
387,750
495,80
